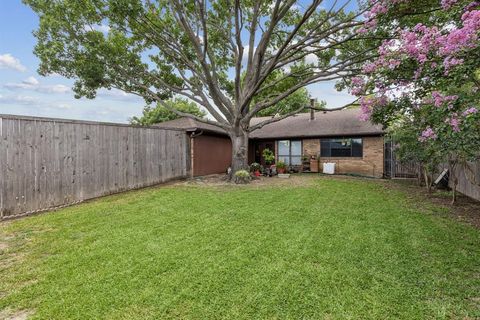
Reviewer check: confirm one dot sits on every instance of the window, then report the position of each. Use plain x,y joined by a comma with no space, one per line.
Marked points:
341,147
290,152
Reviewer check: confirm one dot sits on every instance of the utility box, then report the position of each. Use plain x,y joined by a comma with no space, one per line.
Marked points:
329,168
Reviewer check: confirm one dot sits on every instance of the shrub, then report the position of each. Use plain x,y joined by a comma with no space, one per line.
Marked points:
281,165
255,167
268,156
242,176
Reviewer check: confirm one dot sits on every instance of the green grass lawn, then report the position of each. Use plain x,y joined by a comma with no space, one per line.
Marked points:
323,249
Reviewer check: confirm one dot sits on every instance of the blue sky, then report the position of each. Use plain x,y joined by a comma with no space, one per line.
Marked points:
24,92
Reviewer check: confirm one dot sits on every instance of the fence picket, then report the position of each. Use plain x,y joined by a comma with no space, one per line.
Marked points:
46,163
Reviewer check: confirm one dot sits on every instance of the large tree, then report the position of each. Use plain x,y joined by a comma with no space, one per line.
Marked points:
223,55
427,73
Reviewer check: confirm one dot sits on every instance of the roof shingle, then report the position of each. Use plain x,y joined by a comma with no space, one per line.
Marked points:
330,123
344,122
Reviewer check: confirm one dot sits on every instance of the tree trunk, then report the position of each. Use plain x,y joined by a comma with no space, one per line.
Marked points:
454,192
239,150
454,179
428,182
419,175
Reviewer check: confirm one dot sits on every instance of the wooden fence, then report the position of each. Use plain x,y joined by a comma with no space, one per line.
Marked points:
46,163
394,169
468,179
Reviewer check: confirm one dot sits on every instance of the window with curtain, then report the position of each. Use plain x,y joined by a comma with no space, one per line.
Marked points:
341,147
290,152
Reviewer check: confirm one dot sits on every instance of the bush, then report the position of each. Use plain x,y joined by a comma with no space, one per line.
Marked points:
281,165
268,156
255,167
242,176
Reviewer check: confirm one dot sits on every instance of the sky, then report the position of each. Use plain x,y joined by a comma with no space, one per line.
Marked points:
24,92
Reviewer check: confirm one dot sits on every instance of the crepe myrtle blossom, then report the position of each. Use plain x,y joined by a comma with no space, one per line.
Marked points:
366,108
447,4
454,122
439,99
430,47
422,43
472,6
450,62
378,7
427,134
471,110
358,86
368,103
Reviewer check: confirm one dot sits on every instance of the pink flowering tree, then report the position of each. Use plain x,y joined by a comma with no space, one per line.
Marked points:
425,77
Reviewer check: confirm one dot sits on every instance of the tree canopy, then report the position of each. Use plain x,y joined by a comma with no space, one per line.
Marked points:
296,101
159,113
197,49
426,78
224,55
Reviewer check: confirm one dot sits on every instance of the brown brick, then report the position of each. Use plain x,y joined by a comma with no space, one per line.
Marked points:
371,164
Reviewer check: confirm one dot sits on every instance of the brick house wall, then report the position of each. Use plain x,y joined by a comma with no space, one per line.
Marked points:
371,164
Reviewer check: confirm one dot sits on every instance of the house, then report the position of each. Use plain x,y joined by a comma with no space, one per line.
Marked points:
356,147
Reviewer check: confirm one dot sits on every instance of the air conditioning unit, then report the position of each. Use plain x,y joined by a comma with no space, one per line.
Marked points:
329,168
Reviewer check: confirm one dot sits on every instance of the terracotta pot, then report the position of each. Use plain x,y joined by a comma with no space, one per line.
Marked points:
281,170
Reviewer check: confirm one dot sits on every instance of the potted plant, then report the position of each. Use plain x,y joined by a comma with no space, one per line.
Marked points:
268,157
242,177
255,168
305,167
281,167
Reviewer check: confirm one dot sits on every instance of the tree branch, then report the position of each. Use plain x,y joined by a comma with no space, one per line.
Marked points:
275,119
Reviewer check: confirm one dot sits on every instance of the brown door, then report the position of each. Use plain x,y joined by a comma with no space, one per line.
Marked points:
259,147
211,154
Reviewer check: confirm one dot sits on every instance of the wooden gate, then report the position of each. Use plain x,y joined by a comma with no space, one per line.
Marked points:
394,169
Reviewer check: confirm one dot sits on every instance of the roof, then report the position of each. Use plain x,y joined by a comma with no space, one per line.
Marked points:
189,124
326,124
344,122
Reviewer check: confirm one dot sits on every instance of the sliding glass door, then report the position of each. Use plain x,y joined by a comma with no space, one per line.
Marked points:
290,152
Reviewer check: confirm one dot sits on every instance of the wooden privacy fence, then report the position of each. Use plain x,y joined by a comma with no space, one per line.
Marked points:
394,169
468,176
46,163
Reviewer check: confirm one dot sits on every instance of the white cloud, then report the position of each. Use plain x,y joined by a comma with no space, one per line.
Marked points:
98,27
18,99
115,94
311,58
31,83
62,106
7,61
326,91
56,88
53,75
103,28
14,86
